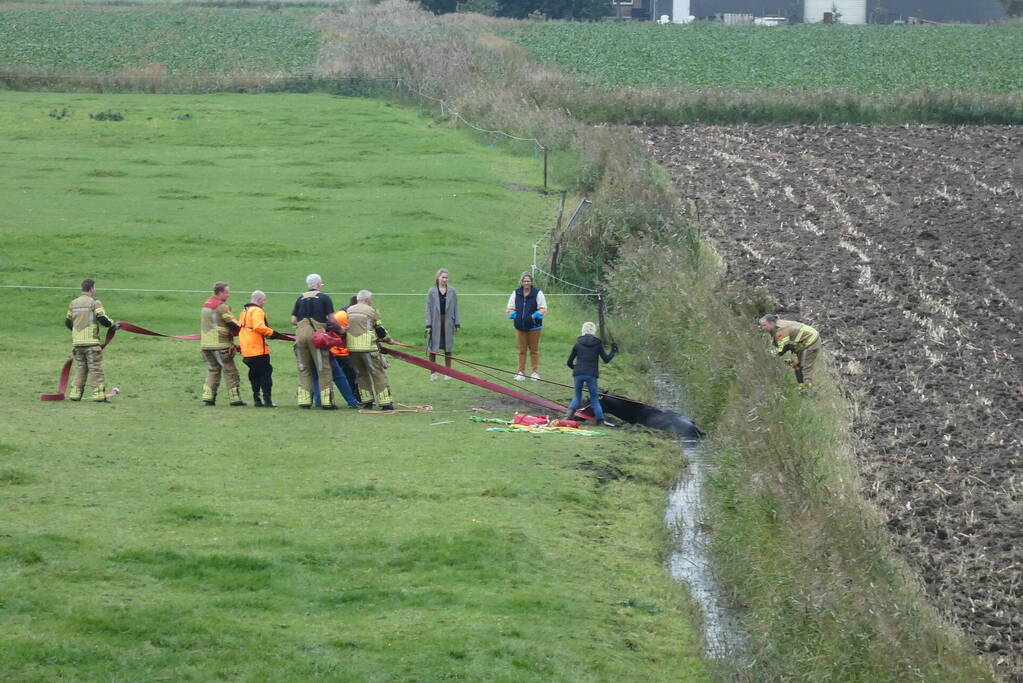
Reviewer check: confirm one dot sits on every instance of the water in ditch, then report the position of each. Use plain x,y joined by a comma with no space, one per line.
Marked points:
690,560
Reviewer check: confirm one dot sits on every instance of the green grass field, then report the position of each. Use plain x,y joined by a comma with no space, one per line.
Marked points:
154,539
860,59
182,41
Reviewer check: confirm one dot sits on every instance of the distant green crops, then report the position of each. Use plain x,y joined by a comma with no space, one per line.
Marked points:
861,59
183,41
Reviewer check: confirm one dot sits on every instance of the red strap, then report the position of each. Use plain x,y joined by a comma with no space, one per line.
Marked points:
65,372
129,327
465,377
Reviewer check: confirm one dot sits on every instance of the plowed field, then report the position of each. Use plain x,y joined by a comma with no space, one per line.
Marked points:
902,245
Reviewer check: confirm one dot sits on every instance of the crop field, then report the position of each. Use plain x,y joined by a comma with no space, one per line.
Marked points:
152,538
178,41
901,245
862,59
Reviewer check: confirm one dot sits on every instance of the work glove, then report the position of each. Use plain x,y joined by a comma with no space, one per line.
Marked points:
429,329
115,326
537,315
513,315
570,366
614,347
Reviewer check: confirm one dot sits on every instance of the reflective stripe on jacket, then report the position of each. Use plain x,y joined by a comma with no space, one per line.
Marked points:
793,336
363,320
84,313
254,331
214,318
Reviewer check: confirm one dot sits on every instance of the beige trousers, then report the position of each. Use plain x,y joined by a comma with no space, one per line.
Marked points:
88,365
529,341
221,361
373,382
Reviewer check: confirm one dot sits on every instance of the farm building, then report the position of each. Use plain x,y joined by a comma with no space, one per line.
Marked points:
851,11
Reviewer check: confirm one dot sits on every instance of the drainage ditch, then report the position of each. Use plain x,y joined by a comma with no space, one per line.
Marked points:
690,558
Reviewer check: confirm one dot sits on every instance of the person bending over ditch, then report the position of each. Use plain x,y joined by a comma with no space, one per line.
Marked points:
799,339
585,369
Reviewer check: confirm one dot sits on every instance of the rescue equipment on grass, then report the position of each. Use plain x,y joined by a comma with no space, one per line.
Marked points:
535,424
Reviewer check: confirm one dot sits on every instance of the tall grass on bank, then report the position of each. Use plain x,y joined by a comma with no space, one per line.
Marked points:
803,554
799,550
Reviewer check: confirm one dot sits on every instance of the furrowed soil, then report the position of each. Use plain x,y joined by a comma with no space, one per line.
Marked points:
902,246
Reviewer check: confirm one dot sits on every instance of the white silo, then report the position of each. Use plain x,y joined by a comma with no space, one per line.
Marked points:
844,11
679,11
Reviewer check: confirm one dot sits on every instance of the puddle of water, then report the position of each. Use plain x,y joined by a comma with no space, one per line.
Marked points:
690,561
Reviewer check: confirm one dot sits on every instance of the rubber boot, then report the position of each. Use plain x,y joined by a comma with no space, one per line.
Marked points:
385,400
305,399
99,394
75,393
209,397
234,394
327,399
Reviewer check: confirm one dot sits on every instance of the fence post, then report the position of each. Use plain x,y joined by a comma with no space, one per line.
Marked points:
600,318
545,170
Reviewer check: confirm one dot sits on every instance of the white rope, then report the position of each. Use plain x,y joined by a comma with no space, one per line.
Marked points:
207,291
458,116
566,282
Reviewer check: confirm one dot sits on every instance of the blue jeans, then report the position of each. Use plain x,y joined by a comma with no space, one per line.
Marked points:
340,381
591,384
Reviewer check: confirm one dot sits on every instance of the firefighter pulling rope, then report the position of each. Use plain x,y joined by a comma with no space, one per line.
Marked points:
625,408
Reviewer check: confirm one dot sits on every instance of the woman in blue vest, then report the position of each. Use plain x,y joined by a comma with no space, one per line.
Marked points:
527,307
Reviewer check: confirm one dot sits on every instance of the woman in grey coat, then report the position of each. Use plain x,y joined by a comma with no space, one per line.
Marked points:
441,319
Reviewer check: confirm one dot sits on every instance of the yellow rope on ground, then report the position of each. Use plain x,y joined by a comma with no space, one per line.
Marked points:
404,409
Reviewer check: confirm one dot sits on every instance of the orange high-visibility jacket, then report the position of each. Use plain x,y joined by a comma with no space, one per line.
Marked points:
342,319
254,331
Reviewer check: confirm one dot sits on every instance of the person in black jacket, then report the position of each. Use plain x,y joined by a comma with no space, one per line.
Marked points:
585,369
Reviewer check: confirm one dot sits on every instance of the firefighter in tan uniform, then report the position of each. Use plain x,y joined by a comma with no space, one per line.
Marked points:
799,339
314,312
217,340
84,316
365,331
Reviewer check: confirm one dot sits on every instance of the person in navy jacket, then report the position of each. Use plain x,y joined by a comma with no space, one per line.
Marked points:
583,360
527,307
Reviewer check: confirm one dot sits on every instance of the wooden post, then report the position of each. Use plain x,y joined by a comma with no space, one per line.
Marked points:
545,170
600,318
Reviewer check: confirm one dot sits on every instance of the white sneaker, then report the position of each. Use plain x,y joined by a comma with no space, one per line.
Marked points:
535,376
519,377
447,376
433,376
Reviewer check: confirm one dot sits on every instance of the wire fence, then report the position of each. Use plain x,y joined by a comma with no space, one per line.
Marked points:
145,290
338,85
